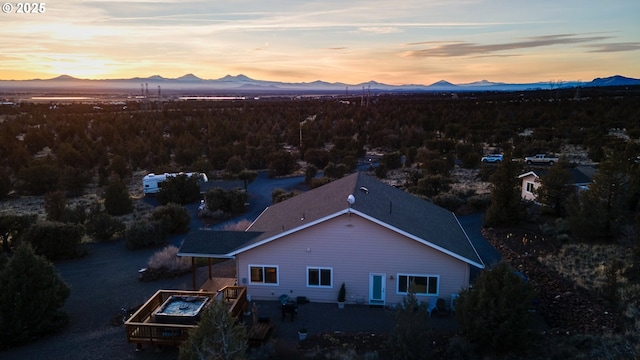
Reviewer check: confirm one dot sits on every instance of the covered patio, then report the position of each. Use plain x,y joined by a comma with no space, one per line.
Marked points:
213,244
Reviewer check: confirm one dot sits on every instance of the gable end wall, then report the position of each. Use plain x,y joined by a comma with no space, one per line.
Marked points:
353,248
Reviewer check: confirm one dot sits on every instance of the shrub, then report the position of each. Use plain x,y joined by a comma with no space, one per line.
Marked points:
559,228
74,215
494,314
280,195
448,201
145,233
479,202
392,160
229,202
241,225
31,298
431,185
54,240
470,160
175,218
335,171
317,182
103,227
168,259
486,171
381,171
166,263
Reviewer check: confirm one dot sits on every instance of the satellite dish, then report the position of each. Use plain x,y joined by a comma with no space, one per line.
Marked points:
351,199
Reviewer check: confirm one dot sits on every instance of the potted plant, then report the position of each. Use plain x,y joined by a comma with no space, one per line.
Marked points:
342,296
302,333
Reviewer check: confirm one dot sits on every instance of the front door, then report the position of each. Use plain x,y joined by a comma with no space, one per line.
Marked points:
377,289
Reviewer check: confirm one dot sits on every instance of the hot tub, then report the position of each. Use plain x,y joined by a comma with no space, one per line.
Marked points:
181,309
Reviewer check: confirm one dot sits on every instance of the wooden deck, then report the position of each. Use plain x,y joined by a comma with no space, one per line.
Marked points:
217,284
142,328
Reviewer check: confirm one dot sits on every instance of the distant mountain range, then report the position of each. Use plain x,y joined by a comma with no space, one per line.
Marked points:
244,84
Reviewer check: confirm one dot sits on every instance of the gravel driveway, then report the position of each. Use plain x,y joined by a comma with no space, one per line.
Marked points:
101,283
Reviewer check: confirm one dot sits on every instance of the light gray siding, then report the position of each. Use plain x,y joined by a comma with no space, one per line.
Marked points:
353,248
527,195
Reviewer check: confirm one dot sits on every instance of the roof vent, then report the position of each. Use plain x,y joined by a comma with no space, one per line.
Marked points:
351,199
364,189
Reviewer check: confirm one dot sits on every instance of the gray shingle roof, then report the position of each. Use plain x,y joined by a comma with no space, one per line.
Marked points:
399,210
578,176
213,243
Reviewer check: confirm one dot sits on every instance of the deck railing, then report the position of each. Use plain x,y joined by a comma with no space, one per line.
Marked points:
237,296
142,328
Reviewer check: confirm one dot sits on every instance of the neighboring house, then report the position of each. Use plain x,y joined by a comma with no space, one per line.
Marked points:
580,178
373,237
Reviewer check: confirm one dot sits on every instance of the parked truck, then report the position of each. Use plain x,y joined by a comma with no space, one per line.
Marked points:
541,159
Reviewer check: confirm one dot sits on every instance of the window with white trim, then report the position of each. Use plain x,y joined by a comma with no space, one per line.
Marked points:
530,187
263,274
422,284
319,277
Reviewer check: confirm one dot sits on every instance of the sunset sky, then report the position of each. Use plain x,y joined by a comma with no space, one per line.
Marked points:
394,42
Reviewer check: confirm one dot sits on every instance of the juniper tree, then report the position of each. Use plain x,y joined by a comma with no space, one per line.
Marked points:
410,336
505,206
116,198
218,336
31,297
180,189
596,214
494,314
12,227
174,217
55,203
554,191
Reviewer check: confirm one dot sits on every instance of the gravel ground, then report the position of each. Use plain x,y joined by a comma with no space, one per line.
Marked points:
101,283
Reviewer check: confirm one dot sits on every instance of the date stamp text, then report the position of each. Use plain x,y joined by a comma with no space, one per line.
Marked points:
24,8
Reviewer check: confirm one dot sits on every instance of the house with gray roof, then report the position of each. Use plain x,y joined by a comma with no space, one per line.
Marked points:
356,230
580,178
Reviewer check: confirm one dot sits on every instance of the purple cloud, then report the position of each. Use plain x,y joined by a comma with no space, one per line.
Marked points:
461,48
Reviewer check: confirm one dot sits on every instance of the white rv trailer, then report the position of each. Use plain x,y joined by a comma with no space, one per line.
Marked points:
152,183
